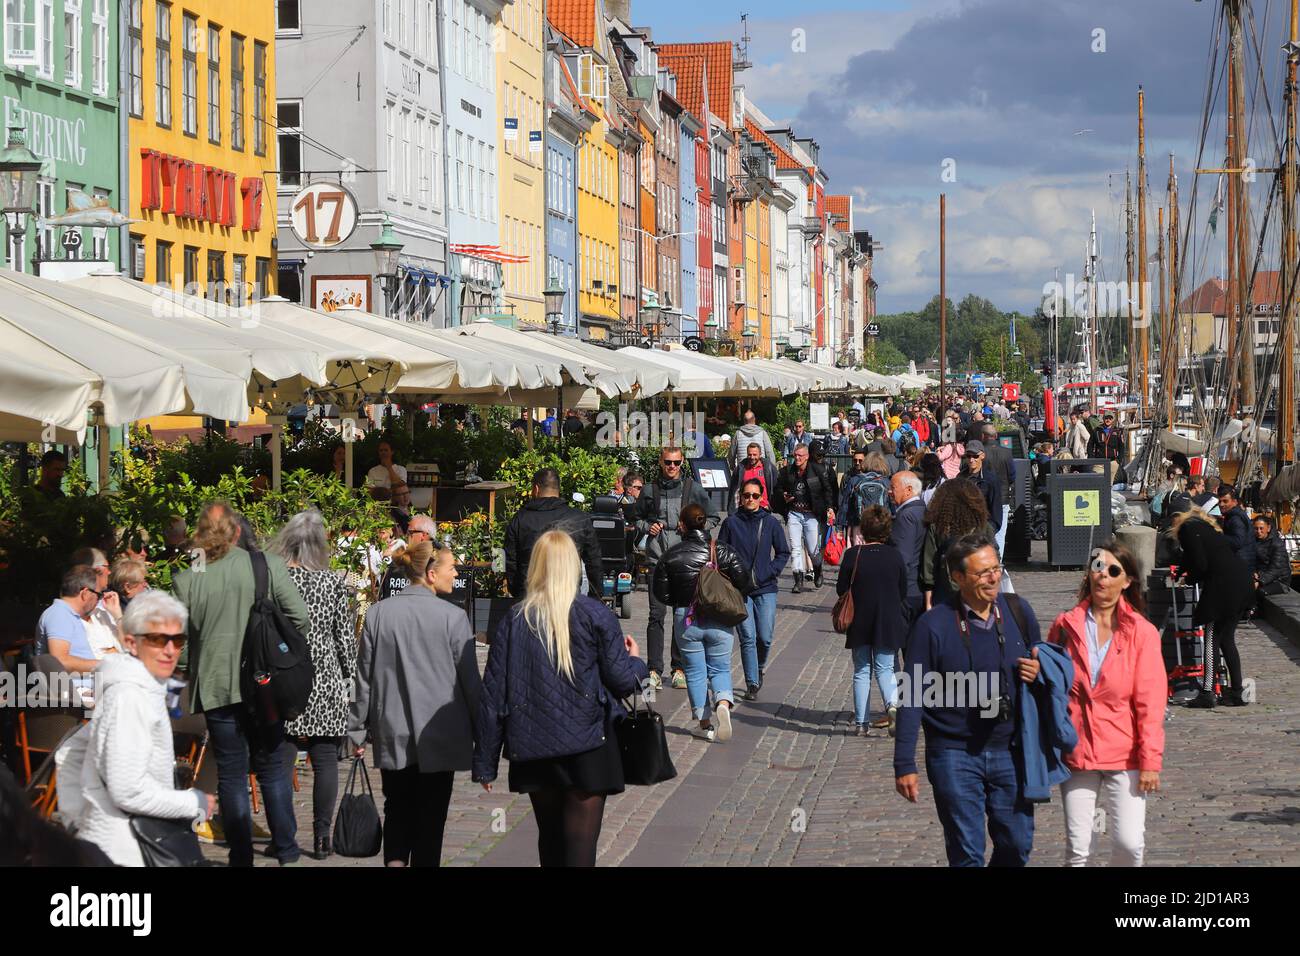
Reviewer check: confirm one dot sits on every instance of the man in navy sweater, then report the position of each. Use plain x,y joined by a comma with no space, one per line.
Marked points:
758,536
963,659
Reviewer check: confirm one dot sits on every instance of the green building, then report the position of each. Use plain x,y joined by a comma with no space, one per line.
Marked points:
60,86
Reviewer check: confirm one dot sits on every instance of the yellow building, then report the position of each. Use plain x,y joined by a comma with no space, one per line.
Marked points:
522,181
598,228
201,99
753,283
764,274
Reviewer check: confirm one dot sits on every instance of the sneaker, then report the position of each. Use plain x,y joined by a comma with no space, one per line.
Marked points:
724,722
209,831
656,682
704,733
260,832
679,680
861,730
893,721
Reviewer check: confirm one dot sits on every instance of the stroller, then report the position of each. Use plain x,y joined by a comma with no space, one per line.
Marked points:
615,553
1183,641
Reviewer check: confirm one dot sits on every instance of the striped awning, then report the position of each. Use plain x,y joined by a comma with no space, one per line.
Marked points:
494,253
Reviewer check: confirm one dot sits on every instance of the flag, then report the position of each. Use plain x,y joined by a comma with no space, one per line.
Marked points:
1218,204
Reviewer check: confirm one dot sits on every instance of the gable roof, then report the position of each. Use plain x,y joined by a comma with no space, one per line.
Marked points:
690,70
576,19
718,58
837,207
783,159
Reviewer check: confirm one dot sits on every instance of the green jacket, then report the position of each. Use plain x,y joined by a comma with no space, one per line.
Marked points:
219,599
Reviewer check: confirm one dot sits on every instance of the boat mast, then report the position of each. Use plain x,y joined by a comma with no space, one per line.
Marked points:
1144,306
1286,413
1128,270
1091,330
1236,64
1164,318
1230,324
1169,378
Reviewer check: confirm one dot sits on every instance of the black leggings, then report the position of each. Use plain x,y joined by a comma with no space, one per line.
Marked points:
1221,638
568,826
324,753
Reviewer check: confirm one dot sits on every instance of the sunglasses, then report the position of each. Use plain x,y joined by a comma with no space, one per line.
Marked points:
160,641
751,496
673,464
1099,565
635,487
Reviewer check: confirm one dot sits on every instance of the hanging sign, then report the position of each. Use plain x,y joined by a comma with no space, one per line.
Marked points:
512,129
534,141
323,215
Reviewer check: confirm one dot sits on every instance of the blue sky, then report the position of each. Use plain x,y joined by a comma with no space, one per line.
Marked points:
892,88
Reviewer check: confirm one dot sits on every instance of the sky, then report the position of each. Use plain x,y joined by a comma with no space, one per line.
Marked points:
1030,106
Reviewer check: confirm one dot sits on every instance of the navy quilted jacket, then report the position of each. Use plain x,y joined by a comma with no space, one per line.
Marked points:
532,710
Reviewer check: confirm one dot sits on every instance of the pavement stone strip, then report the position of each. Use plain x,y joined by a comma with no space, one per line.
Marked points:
794,787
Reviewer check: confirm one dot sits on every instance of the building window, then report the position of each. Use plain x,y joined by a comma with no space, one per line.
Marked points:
388,18
289,136
163,263
390,174
72,43
191,270
407,192
69,189
99,49
402,6
287,22
136,59
45,210
190,75
263,278
137,257
99,235
259,98
236,91
216,275
421,167
214,84
45,16
460,171
163,65
435,173
237,274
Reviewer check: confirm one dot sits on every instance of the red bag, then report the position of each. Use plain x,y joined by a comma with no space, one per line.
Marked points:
833,550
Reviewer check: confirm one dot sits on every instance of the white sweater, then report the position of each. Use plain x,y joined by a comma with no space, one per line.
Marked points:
121,763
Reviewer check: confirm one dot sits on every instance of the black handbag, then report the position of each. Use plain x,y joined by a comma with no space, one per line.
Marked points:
643,745
167,842
357,830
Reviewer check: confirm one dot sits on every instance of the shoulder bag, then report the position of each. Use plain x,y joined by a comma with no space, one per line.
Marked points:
643,746
357,830
716,598
842,613
167,841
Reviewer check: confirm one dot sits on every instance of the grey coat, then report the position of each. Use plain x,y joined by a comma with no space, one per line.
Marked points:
417,684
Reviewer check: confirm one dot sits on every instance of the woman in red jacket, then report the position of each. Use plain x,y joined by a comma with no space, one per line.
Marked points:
1117,706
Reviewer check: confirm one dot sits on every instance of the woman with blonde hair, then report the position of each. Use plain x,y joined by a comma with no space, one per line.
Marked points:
555,668
417,693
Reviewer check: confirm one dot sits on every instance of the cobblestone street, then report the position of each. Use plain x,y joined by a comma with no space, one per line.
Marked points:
792,787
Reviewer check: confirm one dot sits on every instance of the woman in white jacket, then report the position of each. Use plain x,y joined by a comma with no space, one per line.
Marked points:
121,764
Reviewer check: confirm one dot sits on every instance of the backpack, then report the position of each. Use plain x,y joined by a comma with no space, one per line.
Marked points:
873,491
275,668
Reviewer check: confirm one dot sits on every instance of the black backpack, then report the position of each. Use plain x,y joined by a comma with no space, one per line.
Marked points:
275,668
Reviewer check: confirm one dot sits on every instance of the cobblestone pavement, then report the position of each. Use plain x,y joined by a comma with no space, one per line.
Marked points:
792,787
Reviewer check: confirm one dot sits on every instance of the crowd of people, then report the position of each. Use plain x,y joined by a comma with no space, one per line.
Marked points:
920,514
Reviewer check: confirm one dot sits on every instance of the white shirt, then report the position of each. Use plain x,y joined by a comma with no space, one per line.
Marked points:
101,632
1096,654
377,477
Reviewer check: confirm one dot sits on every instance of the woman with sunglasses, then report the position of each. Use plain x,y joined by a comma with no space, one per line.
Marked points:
1117,706
121,764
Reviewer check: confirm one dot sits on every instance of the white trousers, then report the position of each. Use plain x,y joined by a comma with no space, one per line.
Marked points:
1123,816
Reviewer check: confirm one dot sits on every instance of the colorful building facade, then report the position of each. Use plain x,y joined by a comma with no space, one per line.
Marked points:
521,145
202,151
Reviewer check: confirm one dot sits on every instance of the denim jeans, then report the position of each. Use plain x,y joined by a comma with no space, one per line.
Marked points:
967,788
234,737
802,529
706,654
865,660
755,633
1002,530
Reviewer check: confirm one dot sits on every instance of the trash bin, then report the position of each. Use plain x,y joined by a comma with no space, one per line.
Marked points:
1078,511
1020,520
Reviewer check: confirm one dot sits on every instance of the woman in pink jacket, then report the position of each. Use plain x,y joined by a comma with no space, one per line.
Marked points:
1117,706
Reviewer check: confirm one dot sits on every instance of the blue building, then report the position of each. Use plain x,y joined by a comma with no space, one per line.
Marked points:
689,128
567,119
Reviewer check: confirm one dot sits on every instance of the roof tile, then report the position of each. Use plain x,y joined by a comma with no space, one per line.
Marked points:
718,55
576,19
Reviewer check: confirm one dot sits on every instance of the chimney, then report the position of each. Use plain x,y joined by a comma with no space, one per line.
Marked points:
619,10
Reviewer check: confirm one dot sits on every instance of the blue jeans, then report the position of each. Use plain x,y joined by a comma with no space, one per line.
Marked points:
233,735
706,652
755,633
967,787
865,660
1001,537
803,531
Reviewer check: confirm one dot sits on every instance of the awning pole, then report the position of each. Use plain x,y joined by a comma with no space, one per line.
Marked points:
102,451
348,427
277,423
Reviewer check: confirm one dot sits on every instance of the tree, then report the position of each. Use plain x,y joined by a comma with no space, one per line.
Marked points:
884,357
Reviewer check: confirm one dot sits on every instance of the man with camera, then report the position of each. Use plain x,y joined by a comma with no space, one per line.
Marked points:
972,651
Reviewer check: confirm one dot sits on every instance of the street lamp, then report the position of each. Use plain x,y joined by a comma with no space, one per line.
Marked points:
553,296
20,171
748,335
653,308
388,253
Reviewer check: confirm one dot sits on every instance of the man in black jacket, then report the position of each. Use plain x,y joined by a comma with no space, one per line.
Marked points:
1236,526
807,495
998,461
908,535
973,467
546,512
658,510
1107,442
